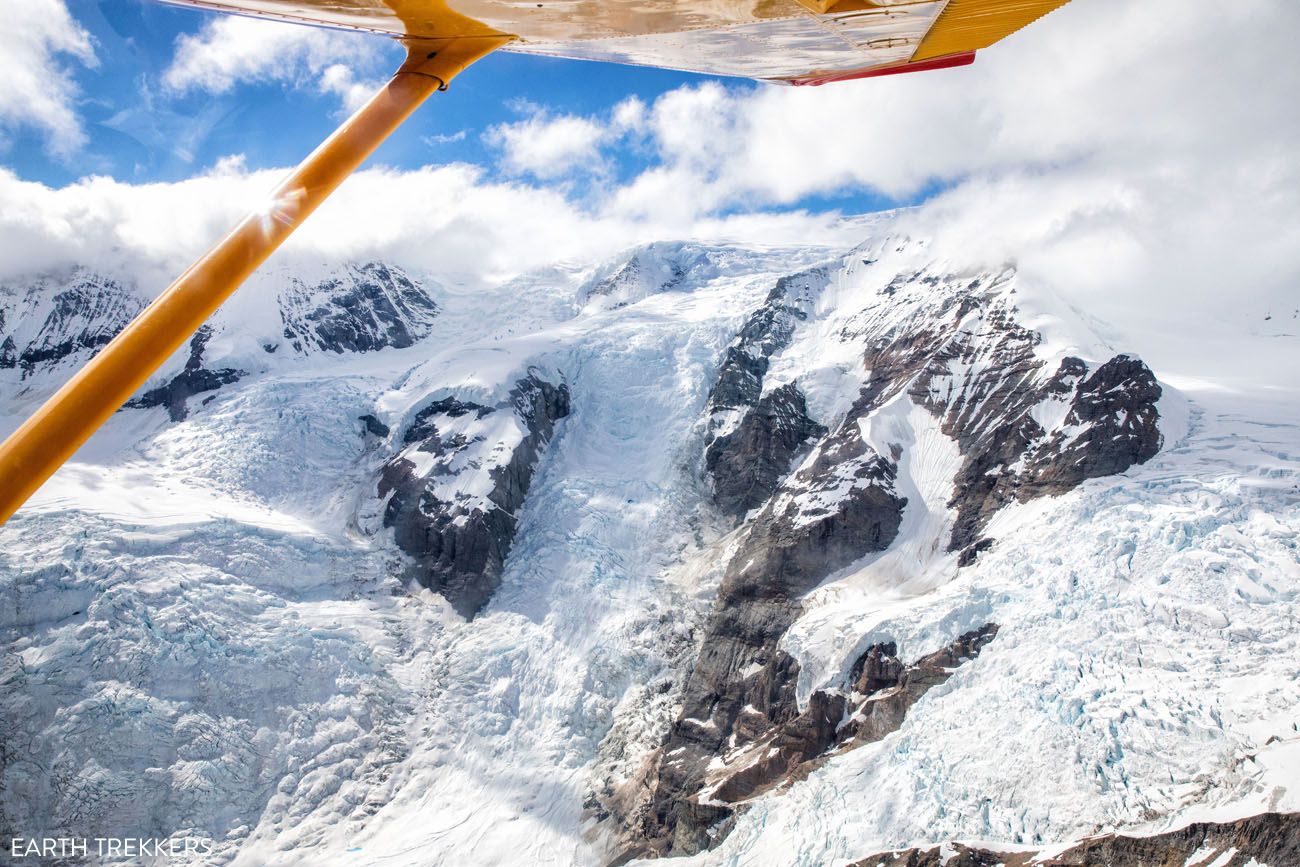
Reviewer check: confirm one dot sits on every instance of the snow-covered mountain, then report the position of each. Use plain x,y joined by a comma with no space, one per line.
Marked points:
733,554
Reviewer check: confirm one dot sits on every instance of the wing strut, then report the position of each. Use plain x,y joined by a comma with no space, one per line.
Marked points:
47,439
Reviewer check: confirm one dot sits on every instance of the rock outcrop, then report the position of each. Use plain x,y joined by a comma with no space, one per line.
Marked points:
840,505
361,308
454,490
753,438
771,743
871,706
194,379
1109,423
816,501
1266,840
748,462
373,426
1024,429
52,319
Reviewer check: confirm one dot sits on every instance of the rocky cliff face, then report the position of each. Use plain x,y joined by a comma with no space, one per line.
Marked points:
195,379
1266,840
53,318
360,308
818,496
357,308
453,491
753,437
881,690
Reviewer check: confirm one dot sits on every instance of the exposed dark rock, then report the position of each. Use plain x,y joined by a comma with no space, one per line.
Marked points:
194,379
365,308
740,379
422,427
770,743
877,668
373,426
754,438
749,463
459,541
1110,425
1271,839
840,506
84,314
883,691
949,344
971,552
967,360
889,690
767,331
1116,409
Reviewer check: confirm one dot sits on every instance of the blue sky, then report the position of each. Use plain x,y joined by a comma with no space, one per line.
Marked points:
274,123
1142,159
138,129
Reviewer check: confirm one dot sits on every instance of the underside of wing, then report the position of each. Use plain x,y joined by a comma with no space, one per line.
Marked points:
790,41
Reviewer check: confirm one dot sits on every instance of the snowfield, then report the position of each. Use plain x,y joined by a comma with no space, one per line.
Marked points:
203,636
1148,674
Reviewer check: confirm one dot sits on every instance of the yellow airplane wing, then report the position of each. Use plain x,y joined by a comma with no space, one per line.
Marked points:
791,41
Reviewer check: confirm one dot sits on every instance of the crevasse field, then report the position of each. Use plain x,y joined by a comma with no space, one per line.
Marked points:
205,632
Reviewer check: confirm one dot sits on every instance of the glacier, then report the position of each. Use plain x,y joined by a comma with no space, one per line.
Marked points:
208,630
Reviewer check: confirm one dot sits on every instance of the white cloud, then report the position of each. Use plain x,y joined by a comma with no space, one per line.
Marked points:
341,80
1106,81
38,89
231,50
452,221
549,147
445,138
554,147
629,115
1142,160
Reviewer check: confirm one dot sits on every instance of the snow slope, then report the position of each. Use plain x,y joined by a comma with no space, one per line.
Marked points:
1147,674
203,635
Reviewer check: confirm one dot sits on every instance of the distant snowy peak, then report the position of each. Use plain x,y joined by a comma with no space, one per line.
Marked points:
348,308
60,321
58,316
358,308
654,268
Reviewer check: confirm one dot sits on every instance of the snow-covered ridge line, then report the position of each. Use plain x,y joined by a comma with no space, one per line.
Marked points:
54,317
51,323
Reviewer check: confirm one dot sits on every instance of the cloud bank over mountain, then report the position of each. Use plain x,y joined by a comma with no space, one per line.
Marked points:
1119,155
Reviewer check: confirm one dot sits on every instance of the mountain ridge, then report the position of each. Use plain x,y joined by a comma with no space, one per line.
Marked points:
233,582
